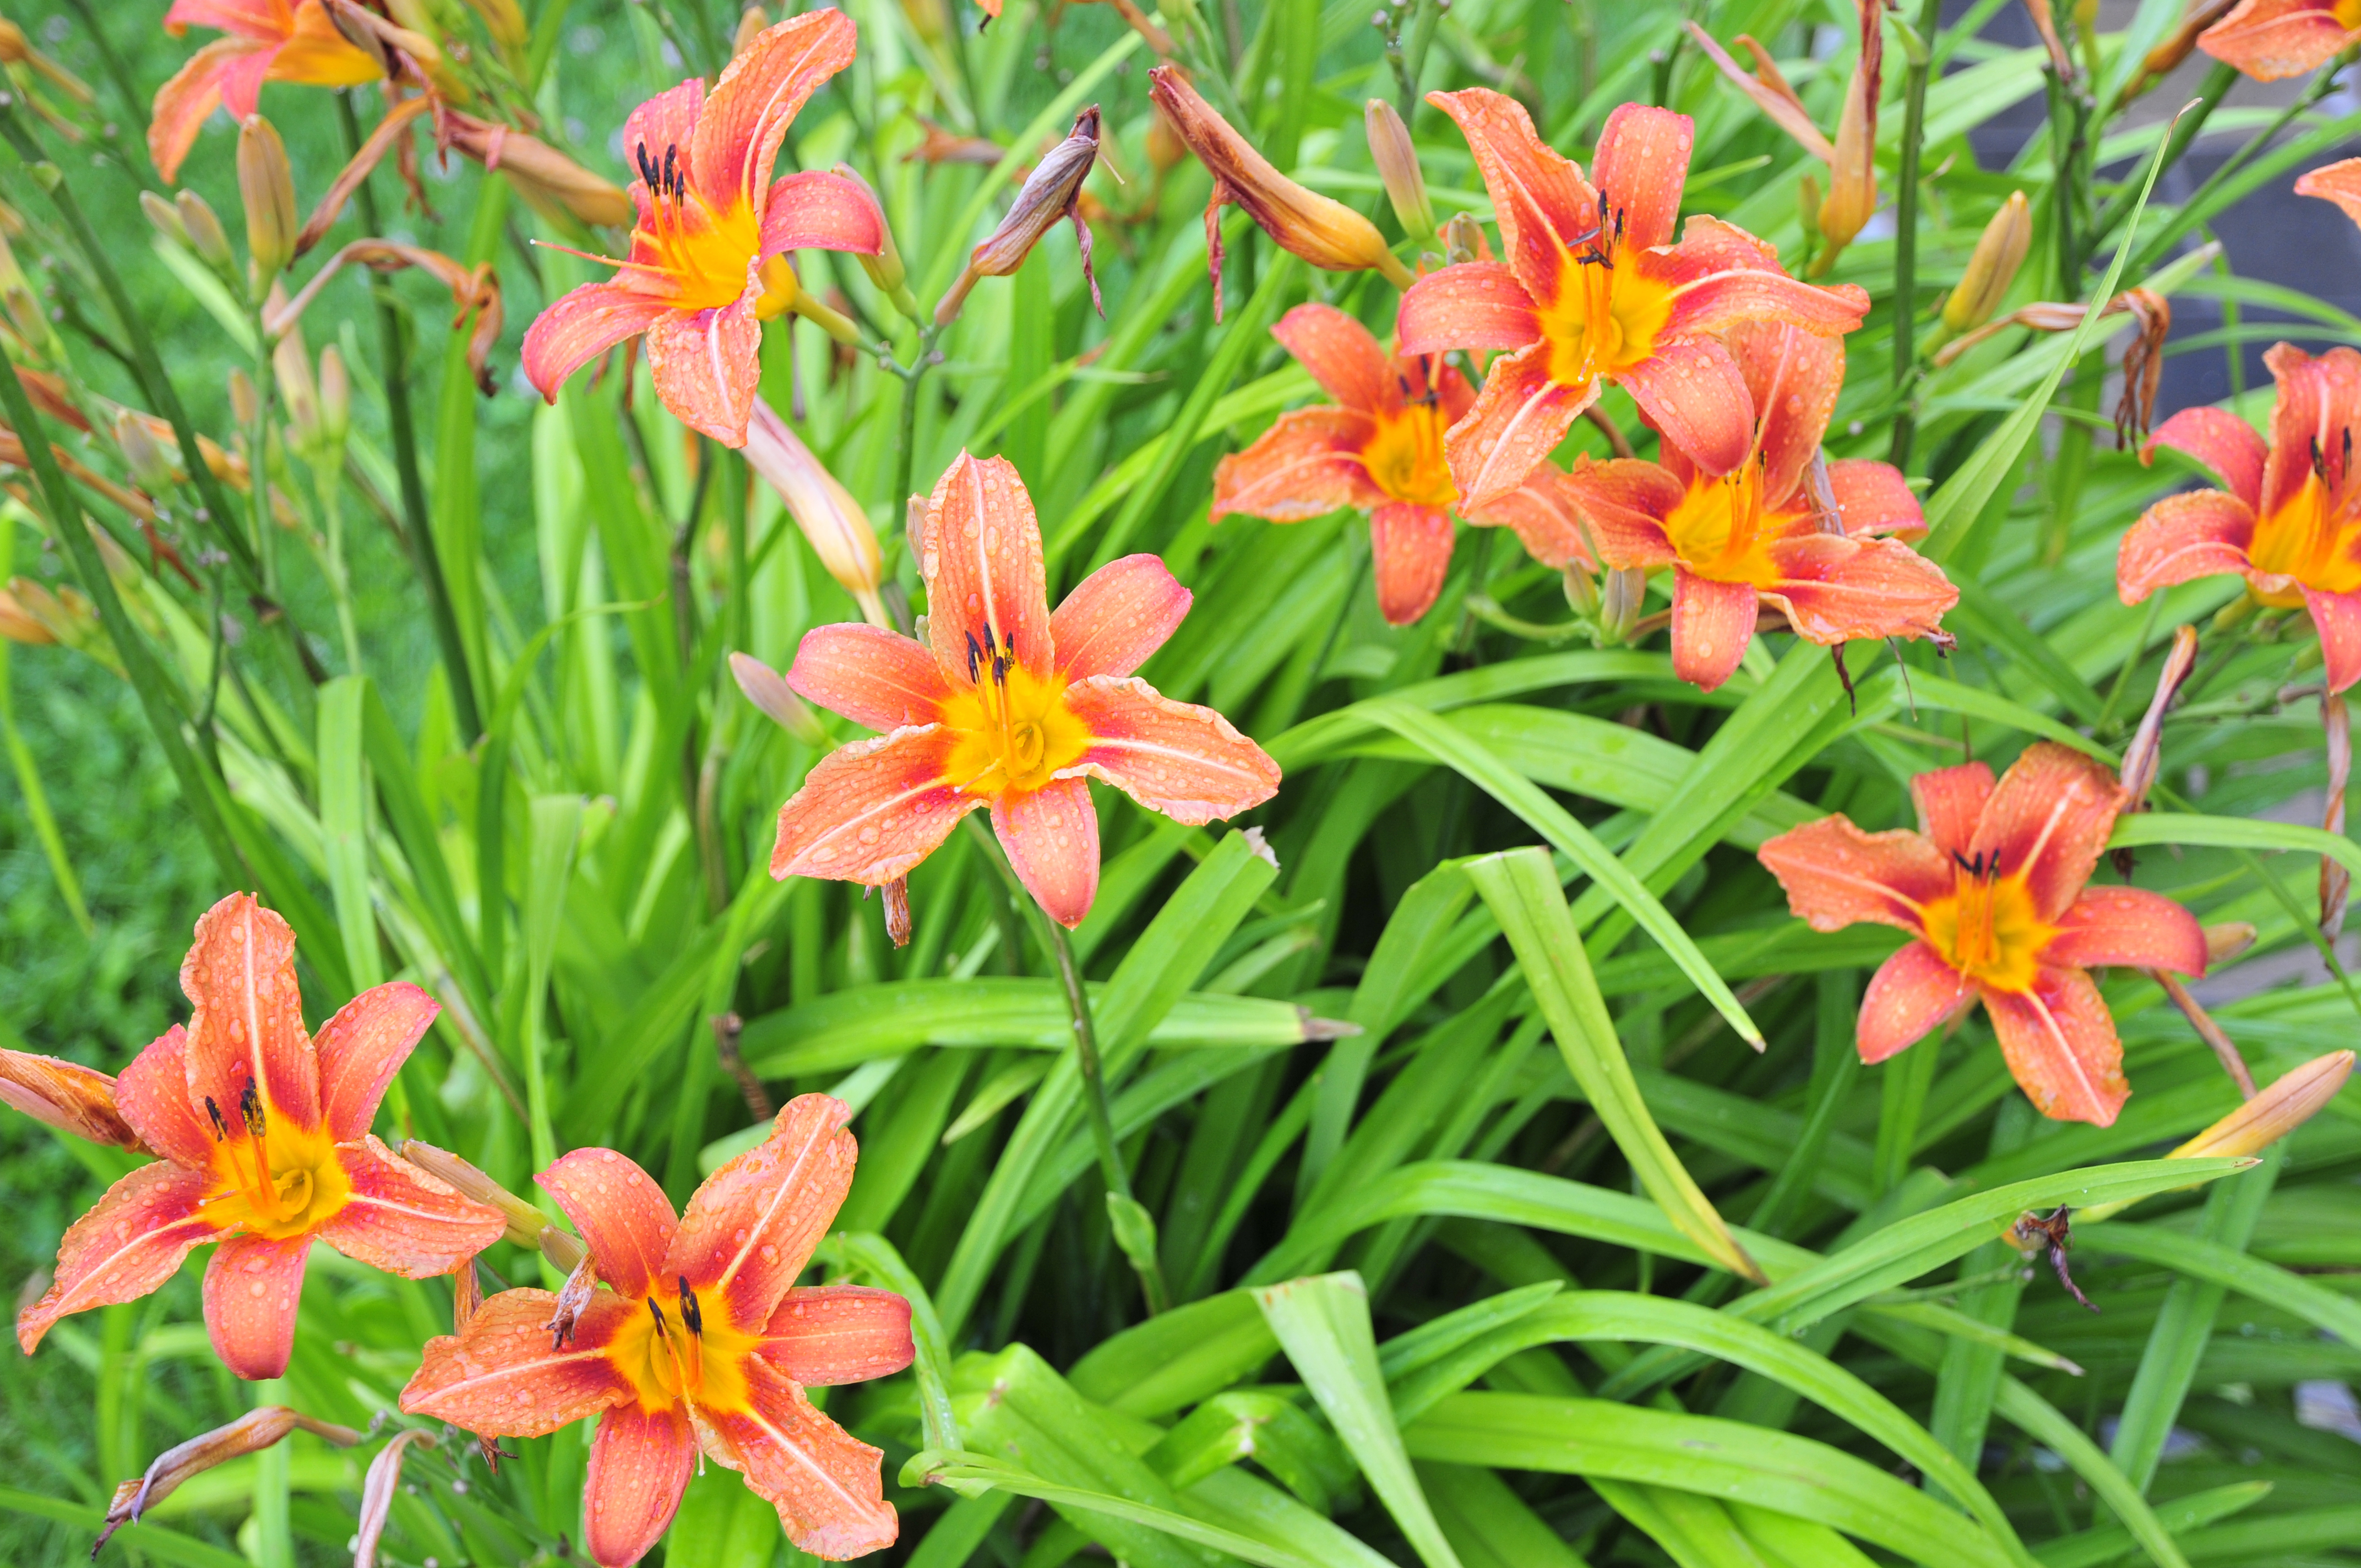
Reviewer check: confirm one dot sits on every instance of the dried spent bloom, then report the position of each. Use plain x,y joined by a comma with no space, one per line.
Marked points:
1005,705
699,1343
266,40
378,1488
1324,232
2270,39
2288,516
1051,195
1991,266
59,1093
1379,448
1397,159
1595,291
831,520
1770,91
713,231
549,182
264,1135
1992,890
250,1434
475,294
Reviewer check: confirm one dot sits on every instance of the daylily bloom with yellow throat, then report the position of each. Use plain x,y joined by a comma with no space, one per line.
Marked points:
2289,518
1378,448
702,1341
1008,707
268,40
265,1136
2268,39
708,264
1755,535
1594,290
1992,888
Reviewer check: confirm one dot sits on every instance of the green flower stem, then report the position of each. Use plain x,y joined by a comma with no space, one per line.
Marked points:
1905,227
1123,1208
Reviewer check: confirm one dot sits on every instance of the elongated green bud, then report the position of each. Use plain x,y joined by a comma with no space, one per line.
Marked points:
203,230
267,186
1397,160
1992,267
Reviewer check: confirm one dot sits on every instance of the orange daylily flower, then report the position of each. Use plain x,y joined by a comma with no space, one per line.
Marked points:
708,263
268,40
1379,448
1754,534
265,1136
59,1093
2267,39
1008,707
1594,290
700,1341
2289,518
1991,888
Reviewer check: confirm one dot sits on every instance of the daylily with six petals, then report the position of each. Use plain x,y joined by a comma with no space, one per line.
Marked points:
1991,889
1379,448
1005,705
708,263
265,1136
1594,291
1755,534
2288,520
2268,39
268,40
702,1341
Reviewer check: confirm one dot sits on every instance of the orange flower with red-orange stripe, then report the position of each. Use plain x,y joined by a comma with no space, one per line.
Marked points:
700,1343
2270,39
1992,889
265,1136
268,41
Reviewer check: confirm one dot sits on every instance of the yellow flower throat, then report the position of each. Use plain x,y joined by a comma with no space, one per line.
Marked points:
682,1349
701,252
1405,456
1718,527
272,1179
1606,317
2312,536
1987,927
1014,730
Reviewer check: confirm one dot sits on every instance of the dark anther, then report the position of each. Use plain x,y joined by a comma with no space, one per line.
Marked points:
2318,461
220,1128
689,1312
249,1106
657,1313
2347,469
670,170
974,656
647,167
2051,1230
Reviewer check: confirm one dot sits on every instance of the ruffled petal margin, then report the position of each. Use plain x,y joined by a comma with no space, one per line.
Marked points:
1712,623
132,1241
753,1224
1835,875
1519,417
623,1215
2225,444
2127,926
705,365
825,1482
499,1377
1172,757
1409,552
2048,822
823,1335
640,1465
253,1287
363,1047
872,810
1912,993
1117,617
403,1221
879,679
2201,533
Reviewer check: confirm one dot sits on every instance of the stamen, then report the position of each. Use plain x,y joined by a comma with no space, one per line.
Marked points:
647,167
672,170
657,1313
690,1313
974,657
220,1128
249,1106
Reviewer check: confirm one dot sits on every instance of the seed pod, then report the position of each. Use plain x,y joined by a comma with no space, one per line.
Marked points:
1050,196
830,518
1397,160
205,234
1991,267
267,186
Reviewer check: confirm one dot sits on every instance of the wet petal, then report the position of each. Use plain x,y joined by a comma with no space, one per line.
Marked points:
1519,419
363,1047
2319,405
1792,378
2201,533
1305,466
818,211
1912,993
622,1214
2337,617
1691,391
1052,836
1539,197
2271,39
1950,802
1643,161
1542,514
1476,304
980,555
705,365
753,1224
1712,291
1873,499
1173,757
152,1095
879,679
1835,590
737,137
872,810
582,325
1835,875
1712,623
1342,354
2047,821
1117,617
2061,1046
402,1221
500,1378
1410,552
1625,501
2127,926
249,1027
184,103
825,1482
252,1287
838,1334
666,121
2227,444
132,1241
640,1465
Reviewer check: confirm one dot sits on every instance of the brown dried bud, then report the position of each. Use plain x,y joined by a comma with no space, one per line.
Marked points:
62,1094
250,1434
379,1487
1397,160
267,186
549,182
1048,197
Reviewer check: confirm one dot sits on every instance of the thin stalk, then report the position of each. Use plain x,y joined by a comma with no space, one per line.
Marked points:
906,427
1409,60
328,478
2210,94
1905,228
1094,1098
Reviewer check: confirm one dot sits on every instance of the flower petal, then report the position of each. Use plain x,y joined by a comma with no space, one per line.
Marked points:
2270,39
1912,993
317,55
2337,617
241,77
879,679
622,1214
1410,552
1792,378
1519,417
1305,466
2200,533
152,1095
640,1465
363,1047
263,20
753,1224
252,1287
1835,875
872,810
1690,390
1835,590
183,104
1173,757
1051,834
2061,1046
979,553
1718,277
1712,623
1542,514
2339,182
1116,618
2127,926
1873,499
838,1334
1343,355
402,1221
1950,802
499,1377
705,365
1625,501
737,135
583,324
827,1483
818,211
2227,444
1641,163
666,121
132,1241
2319,406
1539,197
1476,304
67,1096
2047,821
248,1027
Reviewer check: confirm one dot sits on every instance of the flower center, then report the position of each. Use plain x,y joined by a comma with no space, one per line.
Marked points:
1987,927
1013,729
682,1347
701,253
1606,317
1719,527
2348,15
1405,457
2311,537
272,1179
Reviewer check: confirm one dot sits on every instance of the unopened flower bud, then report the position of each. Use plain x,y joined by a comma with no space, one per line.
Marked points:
1165,148
1852,173
61,1094
18,624
1582,591
768,690
2274,1113
2227,941
1048,197
250,1434
267,186
164,216
750,27
1621,597
297,391
525,1222
830,518
205,234
1808,200
1324,232
885,268
245,405
65,615
1463,239
151,469
1992,267
1397,160
336,397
